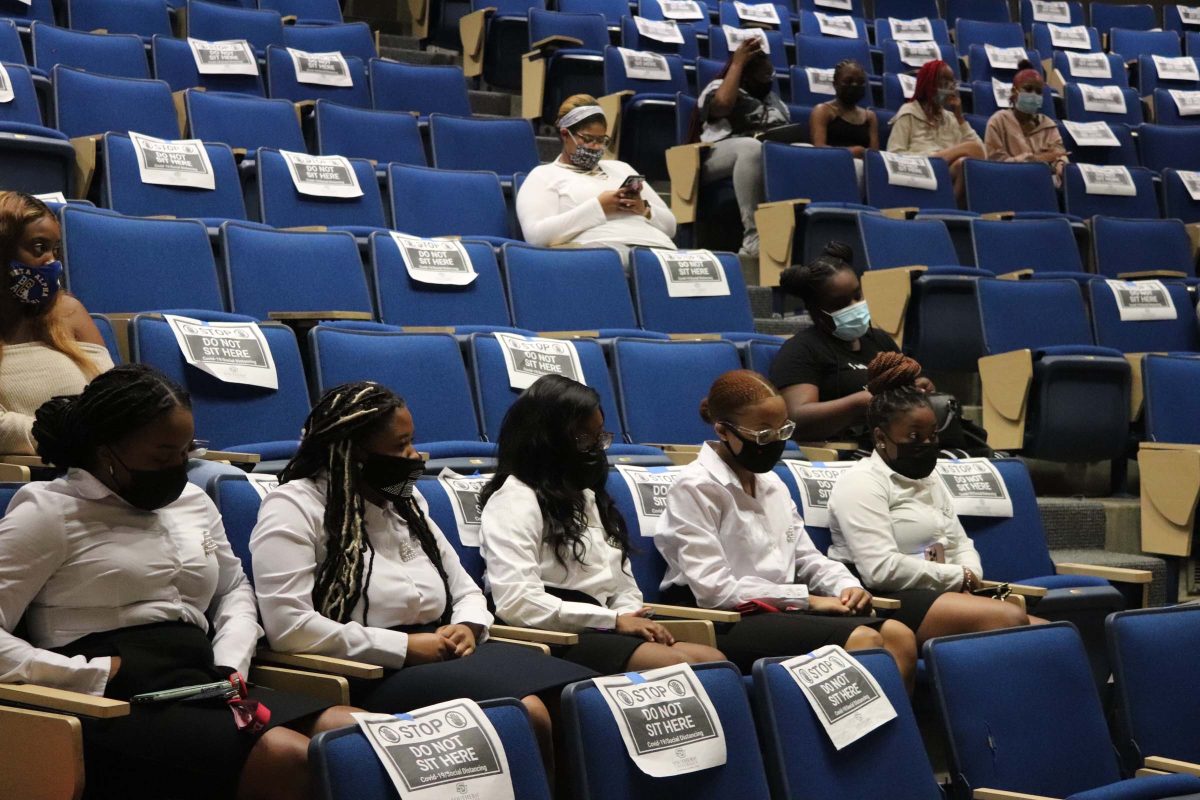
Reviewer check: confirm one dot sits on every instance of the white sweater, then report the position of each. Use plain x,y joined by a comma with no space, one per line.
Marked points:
30,374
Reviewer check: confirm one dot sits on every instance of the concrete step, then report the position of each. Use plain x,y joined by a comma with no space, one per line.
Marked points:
782,326
418,56
549,148
399,42
492,104
761,304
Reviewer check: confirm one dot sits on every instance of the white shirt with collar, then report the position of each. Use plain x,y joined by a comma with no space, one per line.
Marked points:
882,522
77,559
521,564
730,547
288,545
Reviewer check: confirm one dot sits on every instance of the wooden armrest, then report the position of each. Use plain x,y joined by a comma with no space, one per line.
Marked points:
694,631
330,688
1142,772
1119,574
317,316
1001,794
695,337
315,663
85,705
544,649
307,229
1018,588
15,473
231,456
902,212
534,635
569,334
289,19
550,43
1016,275
1172,765
687,612
1150,274
238,152
1001,215
427,328
884,603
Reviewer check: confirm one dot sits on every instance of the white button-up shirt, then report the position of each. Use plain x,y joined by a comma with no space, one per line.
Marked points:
77,559
882,522
521,564
288,545
730,547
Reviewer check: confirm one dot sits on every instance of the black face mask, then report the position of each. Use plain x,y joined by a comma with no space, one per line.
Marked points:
152,489
758,89
915,460
588,469
850,95
392,476
758,458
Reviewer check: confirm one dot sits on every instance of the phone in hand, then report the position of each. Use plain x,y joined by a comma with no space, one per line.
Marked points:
632,185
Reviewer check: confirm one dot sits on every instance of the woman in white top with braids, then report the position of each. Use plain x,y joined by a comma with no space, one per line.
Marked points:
579,198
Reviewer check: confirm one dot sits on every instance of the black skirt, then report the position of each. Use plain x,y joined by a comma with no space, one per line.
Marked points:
495,669
607,652
914,603
178,750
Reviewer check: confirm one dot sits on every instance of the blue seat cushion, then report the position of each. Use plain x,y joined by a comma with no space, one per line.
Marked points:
1064,581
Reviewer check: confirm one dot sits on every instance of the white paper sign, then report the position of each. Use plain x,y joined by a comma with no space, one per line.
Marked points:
441,752
463,492
836,25
1091,134
666,719
1138,301
917,54
231,57
182,162
1002,92
681,9
1089,65
976,487
6,87
816,481
911,30
1189,15
692,273
1107,180
1051,12
1187,103
233,352
1176,69
908,85
735,36
1103,99
820,81
322,176
440,261
843,694
1074,36
262,483
530,357
321,69
660,30
840,5
645,66
52,197
758,13
649,486
915,172
1004,57
1191,182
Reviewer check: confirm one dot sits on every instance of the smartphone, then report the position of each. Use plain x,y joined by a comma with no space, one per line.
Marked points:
633,184
201,691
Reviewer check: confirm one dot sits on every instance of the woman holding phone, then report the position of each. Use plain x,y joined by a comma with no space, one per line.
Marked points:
582,199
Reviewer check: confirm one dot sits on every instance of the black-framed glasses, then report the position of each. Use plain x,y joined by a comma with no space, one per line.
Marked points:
585,441
767,435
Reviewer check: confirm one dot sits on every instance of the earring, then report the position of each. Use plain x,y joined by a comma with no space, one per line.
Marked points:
881,446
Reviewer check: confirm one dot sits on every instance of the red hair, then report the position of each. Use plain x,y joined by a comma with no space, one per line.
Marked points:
732,392
927,82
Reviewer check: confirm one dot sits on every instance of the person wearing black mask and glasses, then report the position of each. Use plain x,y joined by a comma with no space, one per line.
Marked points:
733,540
348,564
842,122
893,522
557,548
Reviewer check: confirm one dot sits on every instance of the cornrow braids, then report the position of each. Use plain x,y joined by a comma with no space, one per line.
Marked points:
342,418
891,380
808,281
843,65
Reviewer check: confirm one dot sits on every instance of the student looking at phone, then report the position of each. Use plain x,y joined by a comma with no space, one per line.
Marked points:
1023,133
580,199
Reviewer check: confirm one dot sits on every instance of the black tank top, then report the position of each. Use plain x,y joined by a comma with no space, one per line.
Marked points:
841,133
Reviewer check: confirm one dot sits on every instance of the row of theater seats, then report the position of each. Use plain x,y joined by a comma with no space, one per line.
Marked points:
148,17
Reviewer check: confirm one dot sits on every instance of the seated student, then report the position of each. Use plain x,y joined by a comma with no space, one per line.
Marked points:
731,537
1023,132
582,199
932,124
555,544
893,521
49,345
348,564
842,122
822,370
735,107
122,576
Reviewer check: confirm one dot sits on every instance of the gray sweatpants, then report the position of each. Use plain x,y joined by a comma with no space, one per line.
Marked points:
741,157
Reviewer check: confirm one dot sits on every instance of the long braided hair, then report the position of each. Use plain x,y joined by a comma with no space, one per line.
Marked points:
343,418
891,380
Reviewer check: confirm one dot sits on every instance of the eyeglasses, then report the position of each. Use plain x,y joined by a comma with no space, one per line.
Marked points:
587,138
767,435
198,448
585,442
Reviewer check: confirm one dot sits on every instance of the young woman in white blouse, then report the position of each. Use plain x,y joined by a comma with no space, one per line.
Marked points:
555,544
123,580
581,198
894,523
732,539
348,564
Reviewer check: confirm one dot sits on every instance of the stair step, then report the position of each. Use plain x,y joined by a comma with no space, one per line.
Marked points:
418,56
548,148
492,104
398,42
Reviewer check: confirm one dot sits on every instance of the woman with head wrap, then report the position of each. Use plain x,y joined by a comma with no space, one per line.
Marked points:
1022,133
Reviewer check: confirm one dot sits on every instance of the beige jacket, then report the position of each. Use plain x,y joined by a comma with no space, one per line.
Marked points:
1004,140
914,135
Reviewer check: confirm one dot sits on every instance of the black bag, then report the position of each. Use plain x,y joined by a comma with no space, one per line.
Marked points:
954,432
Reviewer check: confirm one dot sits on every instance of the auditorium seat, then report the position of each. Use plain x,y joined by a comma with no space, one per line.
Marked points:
1177,200
1133,45
994,32
1131,16
216,22
307,12
1116,66
503,146
647,126
86,104
243,123
280,205
443,202
1026,188
1124,153
505,39
33,158
1166,111
882,194
419,89
980,68
380,136
883,28
1046,246
825,52
570,48
810,24
1028,16
1149,78
1144,336
1170,410
283,82
145,18
350,39
116,55
893,61
613,10
906,9
777,41
760,355
175,64
1043,41
22,14
984,10
1124,246
1143,205
650,9
1163,146
1078,112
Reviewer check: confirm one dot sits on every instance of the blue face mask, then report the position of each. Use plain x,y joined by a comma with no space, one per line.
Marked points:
34,286
1028,102
851,322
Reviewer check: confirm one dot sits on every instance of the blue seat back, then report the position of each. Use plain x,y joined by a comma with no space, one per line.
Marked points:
125,192
689,51
269,270
11,49
441,512
282,82
109,335
821,174
1008,325
238,501
646,563
884,33
658,382
613,10
906,9
591,29
1149,78
761,355
825,52
214,22
616,80
658,311
893,61
1163,146
572,289
1131,16
23,15
1005,245
381,136
349,39
1171,404
24,108
1012,548
985,10
1166,112
650,9
87,104
996,33
882,194
117,55
142,17
1157,244
424,89
281,206
432,202
1077,112
804,93
320,11
1124,154
901,243
1043,41
503,146
1143,43
1143,205
1177,200
1009,186
1028,18
426,369
980,69
244,122
1116,67
603,770
120,264
810,24
727,14
175,64
1143,336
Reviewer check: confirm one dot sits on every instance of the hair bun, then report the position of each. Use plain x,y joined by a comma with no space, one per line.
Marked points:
839,250
1024,63
54,432
890,371
704,412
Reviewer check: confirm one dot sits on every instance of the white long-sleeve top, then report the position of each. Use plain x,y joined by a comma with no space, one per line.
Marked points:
521,564
77,559
558,204
882,522
729,547
289,544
